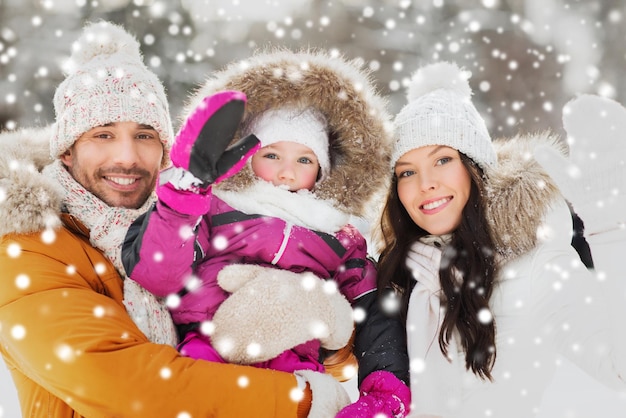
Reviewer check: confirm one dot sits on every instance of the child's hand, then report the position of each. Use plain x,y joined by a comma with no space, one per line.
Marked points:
200,156
201,144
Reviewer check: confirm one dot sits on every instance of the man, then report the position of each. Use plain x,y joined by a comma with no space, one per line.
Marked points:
65,334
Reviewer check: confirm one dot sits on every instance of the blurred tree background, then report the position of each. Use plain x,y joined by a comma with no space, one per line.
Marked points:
527,57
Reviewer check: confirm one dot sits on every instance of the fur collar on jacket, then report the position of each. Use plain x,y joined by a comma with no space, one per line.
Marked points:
360,143
520,193
29,201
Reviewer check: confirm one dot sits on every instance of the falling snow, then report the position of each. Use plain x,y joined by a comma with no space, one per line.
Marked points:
527,60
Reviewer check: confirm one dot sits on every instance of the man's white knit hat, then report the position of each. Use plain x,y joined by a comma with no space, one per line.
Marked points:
107,82
304,126
440,112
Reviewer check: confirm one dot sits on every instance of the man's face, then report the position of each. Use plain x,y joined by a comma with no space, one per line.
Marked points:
117,162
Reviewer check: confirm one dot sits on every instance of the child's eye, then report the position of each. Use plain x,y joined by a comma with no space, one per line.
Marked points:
305,160
406,173
444,160
271,156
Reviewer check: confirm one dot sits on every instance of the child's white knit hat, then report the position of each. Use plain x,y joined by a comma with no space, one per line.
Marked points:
304,126
440,112
107,82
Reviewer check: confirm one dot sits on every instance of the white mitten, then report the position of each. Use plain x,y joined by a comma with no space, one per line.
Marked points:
232,277
593,178
149,314
277,310
328,396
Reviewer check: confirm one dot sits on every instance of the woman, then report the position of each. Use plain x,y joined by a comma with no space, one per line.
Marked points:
476,238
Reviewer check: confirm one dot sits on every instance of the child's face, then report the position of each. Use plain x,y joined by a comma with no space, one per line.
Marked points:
287,163
434,187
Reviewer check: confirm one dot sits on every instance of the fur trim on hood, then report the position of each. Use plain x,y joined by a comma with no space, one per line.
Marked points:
520,193
360,139
29,201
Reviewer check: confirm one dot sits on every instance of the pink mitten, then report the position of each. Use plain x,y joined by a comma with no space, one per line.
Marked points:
199,155
381,393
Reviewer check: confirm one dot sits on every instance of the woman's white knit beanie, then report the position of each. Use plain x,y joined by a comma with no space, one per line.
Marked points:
107,82
440,112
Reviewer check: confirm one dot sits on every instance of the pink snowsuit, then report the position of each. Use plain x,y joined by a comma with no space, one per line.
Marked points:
227,236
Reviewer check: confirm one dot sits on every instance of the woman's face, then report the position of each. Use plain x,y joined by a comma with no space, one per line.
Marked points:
434,187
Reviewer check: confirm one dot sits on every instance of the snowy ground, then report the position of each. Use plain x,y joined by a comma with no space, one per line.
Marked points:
571,395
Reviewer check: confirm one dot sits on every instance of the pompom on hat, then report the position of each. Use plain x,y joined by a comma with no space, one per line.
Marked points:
304,126
107,82
440,112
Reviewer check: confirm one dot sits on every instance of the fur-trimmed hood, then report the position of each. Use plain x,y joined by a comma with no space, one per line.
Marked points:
360,140
29,201
520,193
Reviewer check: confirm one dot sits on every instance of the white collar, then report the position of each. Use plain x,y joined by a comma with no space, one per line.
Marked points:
301,208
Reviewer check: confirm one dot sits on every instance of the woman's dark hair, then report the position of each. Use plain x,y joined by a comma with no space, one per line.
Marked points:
467,273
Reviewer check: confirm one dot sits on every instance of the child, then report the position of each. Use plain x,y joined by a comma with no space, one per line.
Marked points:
251,263
477,238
